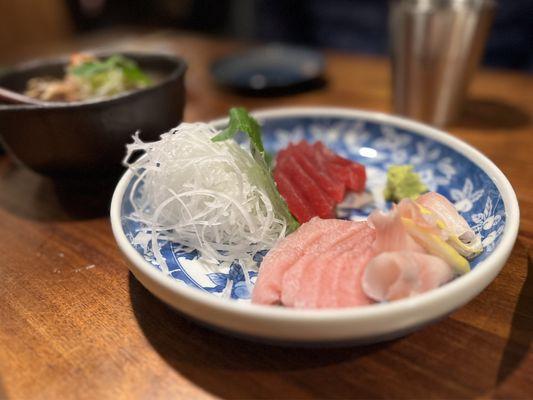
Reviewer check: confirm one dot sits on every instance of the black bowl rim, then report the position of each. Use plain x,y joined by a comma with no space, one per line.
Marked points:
179,71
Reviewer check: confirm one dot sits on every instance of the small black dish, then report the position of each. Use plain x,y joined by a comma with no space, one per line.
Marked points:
270,70
88,138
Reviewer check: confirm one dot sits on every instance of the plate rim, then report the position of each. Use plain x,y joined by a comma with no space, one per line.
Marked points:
460,290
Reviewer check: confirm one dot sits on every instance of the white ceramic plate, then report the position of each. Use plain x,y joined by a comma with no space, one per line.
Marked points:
476,186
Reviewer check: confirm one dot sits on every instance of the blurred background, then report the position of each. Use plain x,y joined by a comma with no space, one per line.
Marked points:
350,25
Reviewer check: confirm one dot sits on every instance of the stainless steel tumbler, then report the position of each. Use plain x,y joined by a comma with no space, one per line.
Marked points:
436,46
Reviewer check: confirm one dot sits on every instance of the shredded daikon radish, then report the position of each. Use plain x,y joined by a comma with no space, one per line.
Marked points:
202,195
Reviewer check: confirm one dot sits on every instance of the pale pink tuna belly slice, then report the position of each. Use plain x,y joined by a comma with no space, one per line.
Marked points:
349,290
399,274
267,288
332,291
316,274
300,278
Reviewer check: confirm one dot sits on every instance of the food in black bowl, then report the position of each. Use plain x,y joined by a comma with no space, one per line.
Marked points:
88,109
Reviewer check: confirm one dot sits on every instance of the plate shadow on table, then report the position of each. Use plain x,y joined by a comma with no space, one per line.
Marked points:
218,362
3,394
45,199
479,113
521,334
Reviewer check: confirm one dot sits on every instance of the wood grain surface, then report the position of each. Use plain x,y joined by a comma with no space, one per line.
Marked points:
74,323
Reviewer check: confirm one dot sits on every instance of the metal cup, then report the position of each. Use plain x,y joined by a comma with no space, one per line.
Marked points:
436,46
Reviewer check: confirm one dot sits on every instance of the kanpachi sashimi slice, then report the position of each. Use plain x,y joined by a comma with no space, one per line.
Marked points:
279,259
300,283
460,236
391,234
399,274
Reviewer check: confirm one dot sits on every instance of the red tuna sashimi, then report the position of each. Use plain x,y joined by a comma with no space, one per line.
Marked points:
316,198
267,288
308,294
350,172
334,189
295,200
337,242
320,160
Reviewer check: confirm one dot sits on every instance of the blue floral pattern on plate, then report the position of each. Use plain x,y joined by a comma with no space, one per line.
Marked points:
375,145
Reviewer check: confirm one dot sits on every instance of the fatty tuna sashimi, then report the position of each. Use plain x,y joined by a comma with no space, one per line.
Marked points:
349,289
400,274
315,274
319,201
287,252
299,279
295,200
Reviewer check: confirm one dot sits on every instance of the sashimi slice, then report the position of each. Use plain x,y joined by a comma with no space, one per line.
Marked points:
409,209
350,172
391,234
321,164
278,260
315,197
334,189
331,277
329,155
445,211
349,289
400,274
296,277
283,154
461,237
358,176
308,295
433,244
295,200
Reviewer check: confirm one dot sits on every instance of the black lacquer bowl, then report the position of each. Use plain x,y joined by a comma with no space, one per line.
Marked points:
88,138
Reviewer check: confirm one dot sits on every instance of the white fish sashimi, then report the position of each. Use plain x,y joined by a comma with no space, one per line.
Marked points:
400,274
460,236
391,234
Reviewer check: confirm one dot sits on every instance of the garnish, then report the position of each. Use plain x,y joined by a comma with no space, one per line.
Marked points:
241,121
403,183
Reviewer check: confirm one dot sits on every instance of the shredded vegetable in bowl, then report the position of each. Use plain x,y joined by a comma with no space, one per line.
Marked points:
204,194
87,77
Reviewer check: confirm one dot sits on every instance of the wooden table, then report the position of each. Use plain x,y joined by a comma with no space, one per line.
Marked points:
74,323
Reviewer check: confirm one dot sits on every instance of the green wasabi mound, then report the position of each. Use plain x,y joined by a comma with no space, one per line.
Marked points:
402,183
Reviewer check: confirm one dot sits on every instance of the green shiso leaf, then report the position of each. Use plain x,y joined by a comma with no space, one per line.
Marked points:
241,121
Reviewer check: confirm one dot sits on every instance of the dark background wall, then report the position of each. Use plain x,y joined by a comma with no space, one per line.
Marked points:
352,25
